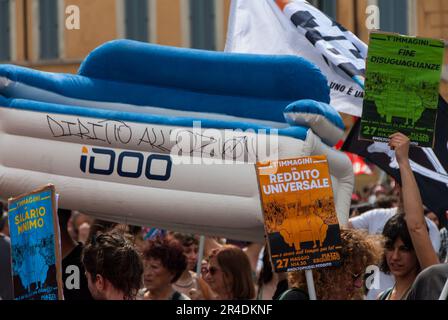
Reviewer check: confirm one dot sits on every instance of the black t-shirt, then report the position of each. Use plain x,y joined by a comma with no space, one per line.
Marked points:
6,287
294,294
429,283
282,286
74,259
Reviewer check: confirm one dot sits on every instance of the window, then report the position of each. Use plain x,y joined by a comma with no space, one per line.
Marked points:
5,31
326,6
137,19
394,15
202,24
48,29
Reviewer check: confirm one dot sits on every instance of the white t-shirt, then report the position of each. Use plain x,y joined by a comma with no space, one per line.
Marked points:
374,221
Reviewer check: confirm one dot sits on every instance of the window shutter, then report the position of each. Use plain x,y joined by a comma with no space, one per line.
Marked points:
326,6
202,17
137,19
394,15
48,35
5,45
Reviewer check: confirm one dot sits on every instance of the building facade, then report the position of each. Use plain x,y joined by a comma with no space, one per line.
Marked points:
33,33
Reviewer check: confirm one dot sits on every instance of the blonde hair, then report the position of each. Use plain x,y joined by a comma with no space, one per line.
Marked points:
359,250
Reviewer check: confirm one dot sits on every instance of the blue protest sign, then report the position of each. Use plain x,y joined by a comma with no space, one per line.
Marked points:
35,245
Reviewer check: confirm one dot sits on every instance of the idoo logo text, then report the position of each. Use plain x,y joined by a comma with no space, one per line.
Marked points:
126,164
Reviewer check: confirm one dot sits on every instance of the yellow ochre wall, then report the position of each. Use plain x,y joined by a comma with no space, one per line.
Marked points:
100,23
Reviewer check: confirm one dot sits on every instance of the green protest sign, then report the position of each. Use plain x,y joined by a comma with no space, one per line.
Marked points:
402,88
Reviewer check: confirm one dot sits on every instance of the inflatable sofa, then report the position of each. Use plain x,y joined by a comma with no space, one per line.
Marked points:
167,137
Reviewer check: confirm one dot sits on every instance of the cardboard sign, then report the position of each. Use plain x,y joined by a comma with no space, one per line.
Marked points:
299,213
35,245
402,88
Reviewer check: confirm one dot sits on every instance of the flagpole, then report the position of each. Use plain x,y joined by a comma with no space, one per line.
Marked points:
310,284
359,81
383,176
200,256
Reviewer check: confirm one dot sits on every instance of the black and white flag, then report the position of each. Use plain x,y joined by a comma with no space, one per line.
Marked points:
298,28
430,166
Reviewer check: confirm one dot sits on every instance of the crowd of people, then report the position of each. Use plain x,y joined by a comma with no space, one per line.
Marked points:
389,232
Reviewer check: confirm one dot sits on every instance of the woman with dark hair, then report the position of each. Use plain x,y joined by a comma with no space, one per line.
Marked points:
270,285
265,277
189,283
229,274
408,248
399,258
164,262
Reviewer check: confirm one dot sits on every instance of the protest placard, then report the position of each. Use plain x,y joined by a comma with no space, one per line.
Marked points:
35,245
402,88
299,213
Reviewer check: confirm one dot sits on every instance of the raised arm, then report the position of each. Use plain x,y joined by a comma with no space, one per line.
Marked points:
209,245
412,204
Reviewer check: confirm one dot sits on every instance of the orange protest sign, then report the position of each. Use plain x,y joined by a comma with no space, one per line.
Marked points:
299,213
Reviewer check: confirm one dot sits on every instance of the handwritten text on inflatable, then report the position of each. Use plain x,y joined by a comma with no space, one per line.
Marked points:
195,143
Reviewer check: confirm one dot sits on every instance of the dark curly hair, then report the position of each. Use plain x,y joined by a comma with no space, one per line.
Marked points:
170,253
115,258
394,229
186,239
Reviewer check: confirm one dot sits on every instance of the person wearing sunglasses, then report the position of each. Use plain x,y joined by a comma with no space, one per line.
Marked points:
229,274
345,282
189,283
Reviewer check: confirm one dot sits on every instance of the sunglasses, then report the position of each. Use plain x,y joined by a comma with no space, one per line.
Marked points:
212,270
357,276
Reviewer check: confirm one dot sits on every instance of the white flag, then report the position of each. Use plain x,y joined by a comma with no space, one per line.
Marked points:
260,26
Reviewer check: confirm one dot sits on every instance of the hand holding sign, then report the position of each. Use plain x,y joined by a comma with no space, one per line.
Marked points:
400,143
35,247
299,213
402,86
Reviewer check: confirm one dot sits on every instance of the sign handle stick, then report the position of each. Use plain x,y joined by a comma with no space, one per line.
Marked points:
310,284
200,256
444,293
